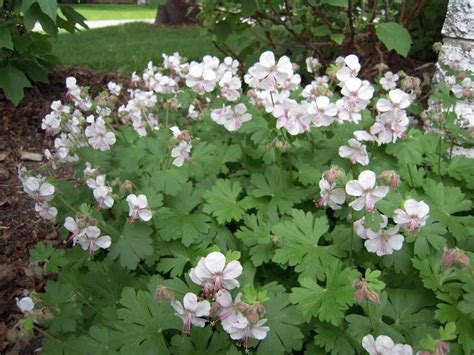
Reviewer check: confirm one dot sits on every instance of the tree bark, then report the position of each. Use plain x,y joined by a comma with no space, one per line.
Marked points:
176,12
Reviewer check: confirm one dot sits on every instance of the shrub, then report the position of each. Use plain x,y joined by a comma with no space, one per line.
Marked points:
325,28
25,56
200,218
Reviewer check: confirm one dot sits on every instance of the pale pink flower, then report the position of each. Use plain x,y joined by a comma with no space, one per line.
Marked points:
383,242
38,189
399,100
389,127
72,226
231,87
269,73
25,304
212,272
312,64
200,78
413,216
228,310
102,195
98,135
350,69
384,345
191,311
114,88
138,208
389,81
242,329
51,123
239,116
331,195
322,112
356,152
45,211
221,115
91,240
361,231
180,153
366,192
357,95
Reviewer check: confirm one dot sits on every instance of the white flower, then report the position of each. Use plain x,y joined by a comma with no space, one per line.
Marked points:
230,87
72,89
462,90
114,88
103,197
312,64
360,229
38,189
356,151
191,311
384,345
91,241
25,304
389,127
399,100
357,94
350,69
97,182
383,242
200,78
221,115
269,73
322,112
389,81
331,195
45,211
99,137
239,116
413,216
51,123
138,207
72,226
212,273
180,153
228,310
366,192
242,329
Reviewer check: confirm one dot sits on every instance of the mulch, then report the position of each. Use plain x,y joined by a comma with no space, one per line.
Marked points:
20,227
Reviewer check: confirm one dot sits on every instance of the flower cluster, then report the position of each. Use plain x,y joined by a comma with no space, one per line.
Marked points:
41,191
241,320
85,232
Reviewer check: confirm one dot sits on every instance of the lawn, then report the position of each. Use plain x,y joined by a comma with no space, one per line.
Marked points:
115,12
129,47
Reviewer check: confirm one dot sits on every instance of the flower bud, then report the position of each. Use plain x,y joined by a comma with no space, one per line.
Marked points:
363,293
162,294
437,46
390,178
333,174
277,241
455,257
215,307
373,297
126,186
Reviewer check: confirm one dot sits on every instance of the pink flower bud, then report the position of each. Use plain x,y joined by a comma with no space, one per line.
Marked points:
162,294
390,178
333,174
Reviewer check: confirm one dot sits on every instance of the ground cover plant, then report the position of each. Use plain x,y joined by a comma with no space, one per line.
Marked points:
210,214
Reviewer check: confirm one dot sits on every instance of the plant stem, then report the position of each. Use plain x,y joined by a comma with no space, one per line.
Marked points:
352,238
439,156
49,336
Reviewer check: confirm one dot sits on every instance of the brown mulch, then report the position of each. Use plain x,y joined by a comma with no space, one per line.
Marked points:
20,227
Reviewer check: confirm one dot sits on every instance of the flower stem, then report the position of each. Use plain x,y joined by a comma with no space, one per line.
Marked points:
352,238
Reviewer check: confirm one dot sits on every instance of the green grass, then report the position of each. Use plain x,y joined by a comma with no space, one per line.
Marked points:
115,12
129,47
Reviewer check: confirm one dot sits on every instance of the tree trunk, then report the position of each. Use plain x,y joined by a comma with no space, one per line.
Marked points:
176,12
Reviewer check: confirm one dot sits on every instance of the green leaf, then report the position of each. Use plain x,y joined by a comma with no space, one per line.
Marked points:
5,38
466,306
338,38
256,235
326,303
322,31
299,237
201,341
54,258
428,238
222,201
249,7
334,340
143,322
394,36
133,245
444,203
283,319
13,81
340,3
276,187
49,7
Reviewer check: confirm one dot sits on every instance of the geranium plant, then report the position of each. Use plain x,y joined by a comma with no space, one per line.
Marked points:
210,214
